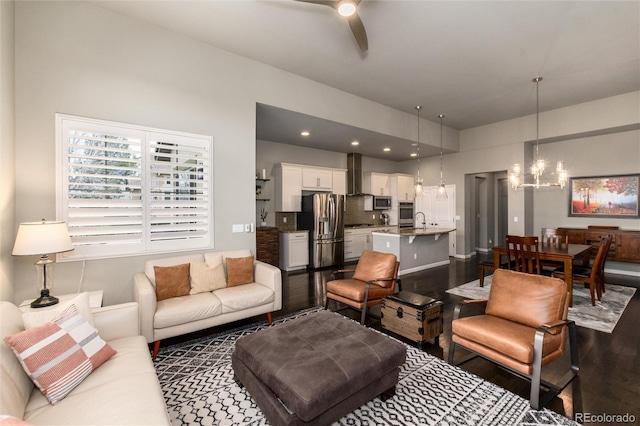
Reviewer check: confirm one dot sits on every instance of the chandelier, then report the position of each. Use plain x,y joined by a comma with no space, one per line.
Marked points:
538,166
442,190
418,179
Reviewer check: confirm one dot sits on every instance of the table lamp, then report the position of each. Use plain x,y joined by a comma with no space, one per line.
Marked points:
42,238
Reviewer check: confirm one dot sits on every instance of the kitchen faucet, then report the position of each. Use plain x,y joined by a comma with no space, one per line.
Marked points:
424,220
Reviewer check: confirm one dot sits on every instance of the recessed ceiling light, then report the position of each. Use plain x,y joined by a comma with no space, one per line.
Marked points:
305,133
413,154
387,149
414,144
355,143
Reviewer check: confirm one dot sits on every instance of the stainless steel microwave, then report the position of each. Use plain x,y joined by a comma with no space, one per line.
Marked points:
381,202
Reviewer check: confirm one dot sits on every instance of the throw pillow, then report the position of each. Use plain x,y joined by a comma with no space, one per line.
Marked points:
58,355
239,270
205,277
172,281
36,317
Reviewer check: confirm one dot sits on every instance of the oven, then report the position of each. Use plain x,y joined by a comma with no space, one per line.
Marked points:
405,215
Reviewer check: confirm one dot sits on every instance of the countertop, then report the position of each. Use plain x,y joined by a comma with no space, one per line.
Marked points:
414,232
295,231
367,226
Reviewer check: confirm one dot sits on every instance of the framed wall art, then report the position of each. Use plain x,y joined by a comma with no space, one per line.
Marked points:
604,196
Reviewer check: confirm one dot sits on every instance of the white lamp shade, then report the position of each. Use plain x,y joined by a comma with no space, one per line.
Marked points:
38,238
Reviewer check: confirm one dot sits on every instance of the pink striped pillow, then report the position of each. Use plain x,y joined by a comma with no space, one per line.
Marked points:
58,355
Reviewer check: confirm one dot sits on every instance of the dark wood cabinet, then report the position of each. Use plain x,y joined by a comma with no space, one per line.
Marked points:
268,245
625,245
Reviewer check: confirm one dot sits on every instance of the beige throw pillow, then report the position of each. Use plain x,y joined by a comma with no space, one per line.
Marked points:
205,277
172,281
239,270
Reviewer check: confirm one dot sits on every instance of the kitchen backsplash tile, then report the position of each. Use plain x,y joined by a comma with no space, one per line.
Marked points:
289,225
355,213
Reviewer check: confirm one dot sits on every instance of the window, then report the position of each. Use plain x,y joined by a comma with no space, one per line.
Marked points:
125,189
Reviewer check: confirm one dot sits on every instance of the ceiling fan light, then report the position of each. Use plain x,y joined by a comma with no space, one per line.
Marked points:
346,8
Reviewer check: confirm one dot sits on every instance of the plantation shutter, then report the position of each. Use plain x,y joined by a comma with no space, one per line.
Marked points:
179,175
129,190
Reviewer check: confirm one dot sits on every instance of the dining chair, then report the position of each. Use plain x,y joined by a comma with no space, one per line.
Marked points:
592,275
524,253
551,237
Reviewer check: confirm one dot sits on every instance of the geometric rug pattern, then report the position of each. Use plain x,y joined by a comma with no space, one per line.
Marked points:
197,382
602,317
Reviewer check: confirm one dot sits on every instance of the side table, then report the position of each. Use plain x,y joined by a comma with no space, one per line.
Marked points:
416,317
95,301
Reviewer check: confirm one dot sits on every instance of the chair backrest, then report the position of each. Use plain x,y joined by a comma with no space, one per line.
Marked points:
374,265
550,236
597,269
527,299
523,253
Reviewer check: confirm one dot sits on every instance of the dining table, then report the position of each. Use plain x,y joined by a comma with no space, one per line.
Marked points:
565,253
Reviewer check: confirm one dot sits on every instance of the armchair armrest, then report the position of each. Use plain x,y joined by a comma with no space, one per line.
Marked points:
271,277
468,302
340,271
144,293
553,327
117,321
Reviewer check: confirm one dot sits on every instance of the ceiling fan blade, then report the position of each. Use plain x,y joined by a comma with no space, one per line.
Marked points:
330,3
357,28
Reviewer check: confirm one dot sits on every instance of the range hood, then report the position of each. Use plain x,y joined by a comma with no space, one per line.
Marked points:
354,174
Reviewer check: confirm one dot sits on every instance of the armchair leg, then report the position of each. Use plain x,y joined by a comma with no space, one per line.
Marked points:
452,348
156,348
269,318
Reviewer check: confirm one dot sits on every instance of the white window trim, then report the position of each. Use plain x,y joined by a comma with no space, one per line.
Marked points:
204,240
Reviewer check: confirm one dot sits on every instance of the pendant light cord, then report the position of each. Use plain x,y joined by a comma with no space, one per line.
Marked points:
441,117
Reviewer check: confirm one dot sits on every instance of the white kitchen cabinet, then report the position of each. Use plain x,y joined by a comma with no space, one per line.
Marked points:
288,188
403,186
294,250
358,240
339,182
317,179
376,183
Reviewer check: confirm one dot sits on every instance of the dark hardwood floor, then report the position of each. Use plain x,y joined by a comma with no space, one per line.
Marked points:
609,378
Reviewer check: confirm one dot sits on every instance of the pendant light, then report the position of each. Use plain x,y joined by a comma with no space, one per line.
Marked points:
418,185
441,194
538,166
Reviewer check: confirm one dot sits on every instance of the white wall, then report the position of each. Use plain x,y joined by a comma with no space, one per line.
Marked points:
7,149
76,58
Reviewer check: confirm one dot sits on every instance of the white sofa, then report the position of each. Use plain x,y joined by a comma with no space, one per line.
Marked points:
122,391
185,314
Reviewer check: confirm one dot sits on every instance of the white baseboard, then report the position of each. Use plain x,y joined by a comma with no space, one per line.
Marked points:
622,272
423,267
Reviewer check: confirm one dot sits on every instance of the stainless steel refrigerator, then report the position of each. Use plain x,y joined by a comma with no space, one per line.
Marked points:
323,216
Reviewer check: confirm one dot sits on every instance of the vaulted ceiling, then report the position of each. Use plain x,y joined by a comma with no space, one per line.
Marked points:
470,60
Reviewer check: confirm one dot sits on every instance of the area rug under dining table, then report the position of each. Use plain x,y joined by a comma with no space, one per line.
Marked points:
602,317
197,382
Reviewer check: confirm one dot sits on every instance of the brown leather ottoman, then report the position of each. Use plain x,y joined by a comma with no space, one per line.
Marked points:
315,369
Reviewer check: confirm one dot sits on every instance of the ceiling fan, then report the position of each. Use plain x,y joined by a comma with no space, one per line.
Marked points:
348,9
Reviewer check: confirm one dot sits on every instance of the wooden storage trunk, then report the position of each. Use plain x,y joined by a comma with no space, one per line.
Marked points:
416,317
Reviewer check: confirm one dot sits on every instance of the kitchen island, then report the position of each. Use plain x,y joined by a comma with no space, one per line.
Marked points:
416,248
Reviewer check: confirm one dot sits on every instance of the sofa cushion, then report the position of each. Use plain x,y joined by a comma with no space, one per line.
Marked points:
185,309
205,277
245,296
15,385
172,281
58,355
168,261
124,390
36,317
239,270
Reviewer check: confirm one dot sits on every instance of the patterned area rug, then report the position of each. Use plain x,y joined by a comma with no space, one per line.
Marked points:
602,317
197,382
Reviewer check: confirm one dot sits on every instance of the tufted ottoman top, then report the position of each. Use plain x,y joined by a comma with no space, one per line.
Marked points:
316,361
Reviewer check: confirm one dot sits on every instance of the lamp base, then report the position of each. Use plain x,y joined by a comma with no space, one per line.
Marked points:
44,300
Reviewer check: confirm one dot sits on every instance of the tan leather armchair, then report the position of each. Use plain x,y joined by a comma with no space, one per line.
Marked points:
523,328
375,277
